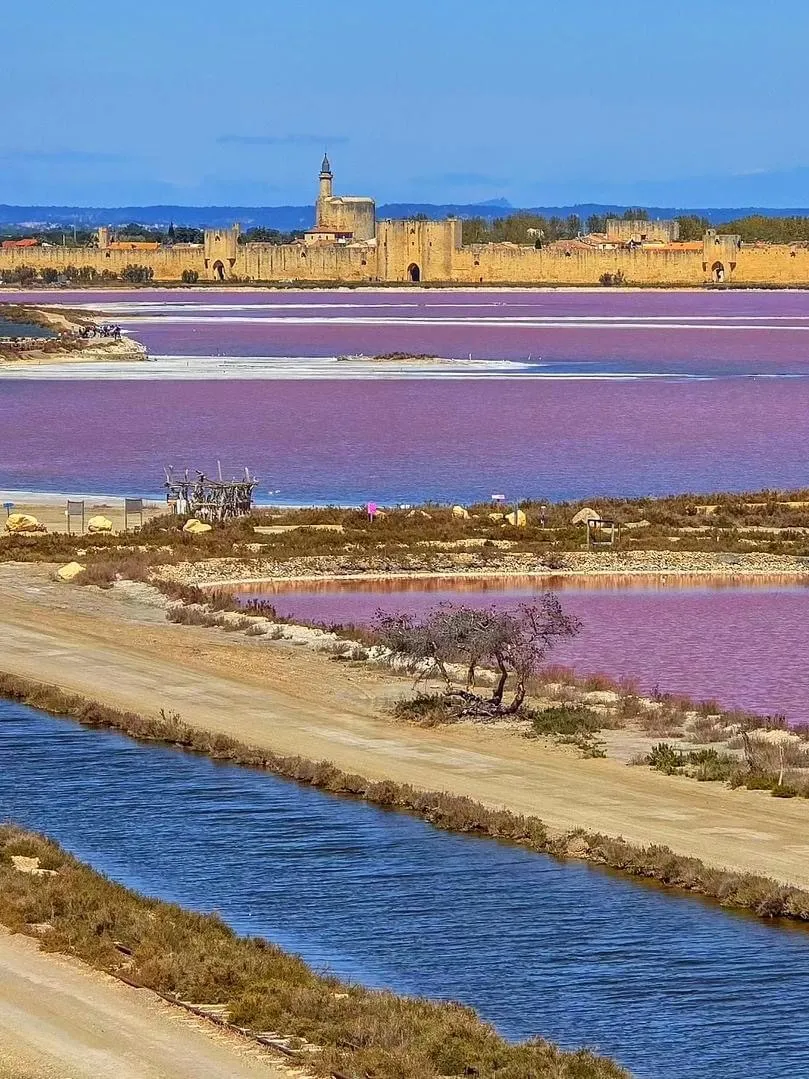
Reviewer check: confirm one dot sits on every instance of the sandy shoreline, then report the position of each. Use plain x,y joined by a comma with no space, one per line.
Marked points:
395,287
673,565
606,576
52,514
95,351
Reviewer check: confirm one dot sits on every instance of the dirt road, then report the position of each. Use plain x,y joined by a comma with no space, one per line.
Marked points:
295,701
61,1020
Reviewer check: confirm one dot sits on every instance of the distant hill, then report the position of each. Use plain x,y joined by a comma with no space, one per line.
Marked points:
287,218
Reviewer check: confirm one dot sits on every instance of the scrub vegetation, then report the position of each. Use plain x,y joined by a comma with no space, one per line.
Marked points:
331,540
332,1027
775,758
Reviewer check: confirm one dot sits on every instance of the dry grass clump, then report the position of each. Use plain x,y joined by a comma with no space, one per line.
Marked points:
664,721
201,616
197,958
451,812
710,728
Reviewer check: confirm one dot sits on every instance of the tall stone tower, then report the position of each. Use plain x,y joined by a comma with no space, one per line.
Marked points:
324,193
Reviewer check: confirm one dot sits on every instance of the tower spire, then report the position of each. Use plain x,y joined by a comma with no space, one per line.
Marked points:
324,192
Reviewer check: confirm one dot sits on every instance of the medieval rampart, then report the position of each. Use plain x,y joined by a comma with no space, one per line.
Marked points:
300,262
430,252
167,263
574,265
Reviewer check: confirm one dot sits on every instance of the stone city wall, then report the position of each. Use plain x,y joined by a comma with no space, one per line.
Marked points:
431,251
574,265
167,263
302,262
772,264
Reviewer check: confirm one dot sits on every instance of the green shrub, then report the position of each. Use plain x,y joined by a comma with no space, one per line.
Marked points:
665,758
711,766
785,790
137,275
427,709
568,719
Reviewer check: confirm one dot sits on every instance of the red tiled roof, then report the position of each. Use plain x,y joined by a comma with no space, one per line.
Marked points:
133,245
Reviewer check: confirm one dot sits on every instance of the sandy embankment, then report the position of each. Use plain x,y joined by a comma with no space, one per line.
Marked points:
93,350
114,648
60,1018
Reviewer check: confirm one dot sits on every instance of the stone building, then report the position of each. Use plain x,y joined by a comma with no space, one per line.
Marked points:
640,231
350,215
347,244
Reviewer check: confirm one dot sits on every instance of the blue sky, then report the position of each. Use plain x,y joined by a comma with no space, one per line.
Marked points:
538,101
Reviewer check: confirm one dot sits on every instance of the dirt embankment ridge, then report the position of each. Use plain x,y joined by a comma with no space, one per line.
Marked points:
508,565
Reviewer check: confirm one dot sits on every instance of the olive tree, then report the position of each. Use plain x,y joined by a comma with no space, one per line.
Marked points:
511,643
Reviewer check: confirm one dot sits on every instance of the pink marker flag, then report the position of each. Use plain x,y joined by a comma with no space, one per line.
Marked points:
372,509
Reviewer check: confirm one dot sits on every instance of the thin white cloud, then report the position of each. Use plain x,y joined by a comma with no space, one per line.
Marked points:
282,140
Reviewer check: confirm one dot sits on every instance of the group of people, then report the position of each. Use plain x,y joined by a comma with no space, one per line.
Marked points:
106,329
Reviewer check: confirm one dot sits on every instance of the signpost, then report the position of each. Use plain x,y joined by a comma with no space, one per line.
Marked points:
75,509
133,507
602,533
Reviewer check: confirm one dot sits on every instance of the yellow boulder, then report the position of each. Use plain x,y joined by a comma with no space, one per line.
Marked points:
99,523
23,522
196,527
584,515
496,516
70,571
461,513
516,518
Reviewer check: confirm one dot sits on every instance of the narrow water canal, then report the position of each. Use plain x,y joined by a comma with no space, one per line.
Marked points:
669,986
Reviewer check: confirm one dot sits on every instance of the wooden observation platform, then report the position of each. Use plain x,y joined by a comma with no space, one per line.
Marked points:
210,500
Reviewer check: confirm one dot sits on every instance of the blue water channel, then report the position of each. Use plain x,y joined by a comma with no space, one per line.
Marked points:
670,986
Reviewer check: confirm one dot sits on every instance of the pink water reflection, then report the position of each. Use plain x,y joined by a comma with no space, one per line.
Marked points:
743,645
351,441
718,396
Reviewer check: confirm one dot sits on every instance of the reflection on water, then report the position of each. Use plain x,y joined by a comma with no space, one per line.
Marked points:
23,329
669,986
741,644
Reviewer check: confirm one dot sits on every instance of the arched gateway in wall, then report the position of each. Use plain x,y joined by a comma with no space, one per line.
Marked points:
413,272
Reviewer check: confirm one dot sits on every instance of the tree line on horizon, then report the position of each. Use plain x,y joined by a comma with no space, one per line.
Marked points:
174,234
519,227
523,227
